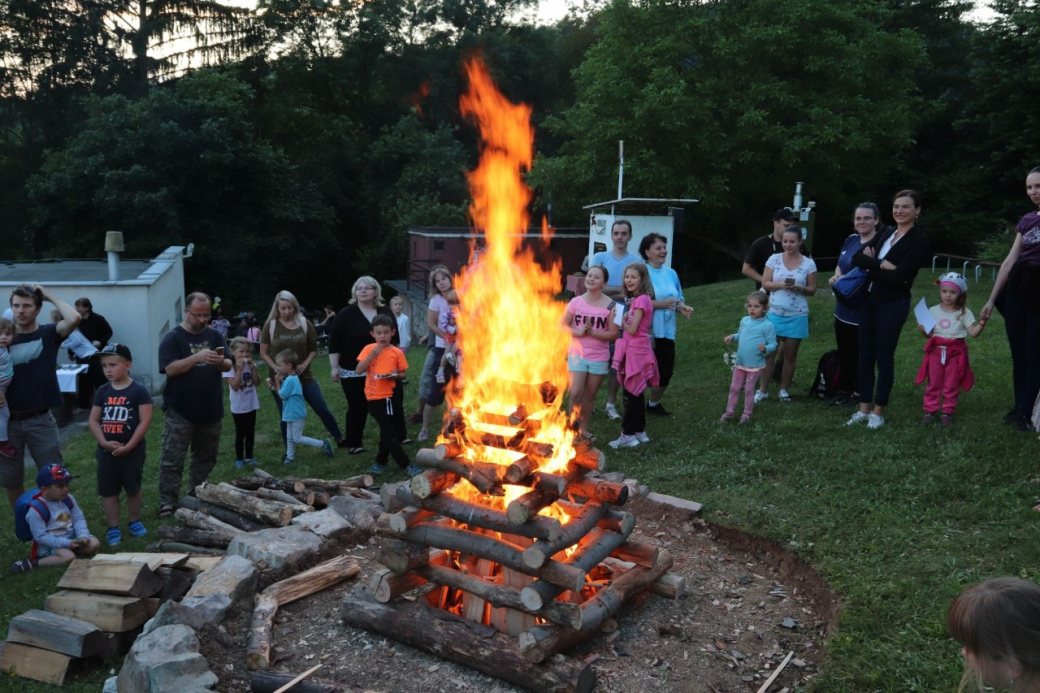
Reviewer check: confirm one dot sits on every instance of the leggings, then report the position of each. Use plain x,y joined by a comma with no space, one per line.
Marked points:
879,327
245,427
846,335
664,352
634,420
745,380
1023,332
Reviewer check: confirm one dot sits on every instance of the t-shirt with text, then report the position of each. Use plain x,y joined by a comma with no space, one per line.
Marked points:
120,410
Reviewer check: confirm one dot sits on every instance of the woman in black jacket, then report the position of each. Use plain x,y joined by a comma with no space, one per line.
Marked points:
892,261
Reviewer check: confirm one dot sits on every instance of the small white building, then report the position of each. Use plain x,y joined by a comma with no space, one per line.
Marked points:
141,299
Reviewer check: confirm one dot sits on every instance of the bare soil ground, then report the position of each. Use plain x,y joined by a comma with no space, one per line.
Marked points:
749,603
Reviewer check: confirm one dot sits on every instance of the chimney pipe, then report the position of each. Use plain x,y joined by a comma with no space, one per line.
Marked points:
113,246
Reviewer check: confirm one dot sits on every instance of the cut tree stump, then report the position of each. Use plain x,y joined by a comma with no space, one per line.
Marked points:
126,579
106,611
471,644
48,631
318,578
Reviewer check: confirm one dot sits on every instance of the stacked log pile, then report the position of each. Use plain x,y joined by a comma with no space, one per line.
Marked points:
98,612
545,579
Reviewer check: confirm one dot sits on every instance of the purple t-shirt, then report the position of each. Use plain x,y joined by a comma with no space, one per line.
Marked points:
1029,227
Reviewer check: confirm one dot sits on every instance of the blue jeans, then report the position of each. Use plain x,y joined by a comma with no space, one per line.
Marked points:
312,396
880,325
1023,333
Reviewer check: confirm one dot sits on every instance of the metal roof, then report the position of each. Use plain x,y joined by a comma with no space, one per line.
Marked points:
642,202
70,271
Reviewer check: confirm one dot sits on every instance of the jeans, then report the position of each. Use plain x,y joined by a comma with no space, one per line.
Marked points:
312,396
879,327
428,377
1023,332
294,430
178,435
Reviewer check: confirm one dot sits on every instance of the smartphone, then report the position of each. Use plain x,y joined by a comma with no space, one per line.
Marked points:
789,281
220,351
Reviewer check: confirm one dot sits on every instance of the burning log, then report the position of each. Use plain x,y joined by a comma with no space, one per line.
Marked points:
549,393
431,482
573,532
221,513
385,584
598,545
539,526
497,550
599,490
318,578
196,537
270,512
527,506
396,524
591,459
488,485
518,416
543,641
467,643
403,556
520,469
613,520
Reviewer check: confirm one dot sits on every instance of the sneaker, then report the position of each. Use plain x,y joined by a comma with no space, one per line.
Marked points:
7,450
23,565
407,441
1024,425
744,418
841,398
239,464
413,470
946,420
642,437
423,435
252,462
326,447
784,397
657,409
440,376
728,416
875,421
929,417
1010,419
759,396
137,529
287,461
856,418
377,469
113,536
624,442
612,412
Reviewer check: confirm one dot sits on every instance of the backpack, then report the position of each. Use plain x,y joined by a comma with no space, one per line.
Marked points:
30,500
825,386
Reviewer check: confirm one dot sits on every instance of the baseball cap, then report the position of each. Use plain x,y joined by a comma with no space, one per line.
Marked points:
117,349
955,280
53,474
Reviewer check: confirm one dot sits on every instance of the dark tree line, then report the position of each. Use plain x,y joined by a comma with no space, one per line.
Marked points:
294,144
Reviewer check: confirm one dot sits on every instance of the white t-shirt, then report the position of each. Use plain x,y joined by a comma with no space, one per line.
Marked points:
951,325
245,400
404,331
785,303
445,318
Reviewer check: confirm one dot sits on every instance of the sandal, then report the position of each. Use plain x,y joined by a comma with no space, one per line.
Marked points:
113,536
22,566
355,451
137,529
165,510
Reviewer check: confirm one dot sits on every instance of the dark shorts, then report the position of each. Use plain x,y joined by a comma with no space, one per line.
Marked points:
436,396
115,474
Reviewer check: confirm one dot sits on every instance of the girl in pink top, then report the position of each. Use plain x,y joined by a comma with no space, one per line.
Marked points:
634,358
590,318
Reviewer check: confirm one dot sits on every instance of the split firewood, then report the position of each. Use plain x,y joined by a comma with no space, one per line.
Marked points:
597,489
432,482
573,532
272,512
464,642
208,523
196,537
544,641
223,514
538,527
318,578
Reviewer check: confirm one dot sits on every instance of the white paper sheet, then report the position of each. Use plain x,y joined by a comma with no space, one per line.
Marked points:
619,314
924,317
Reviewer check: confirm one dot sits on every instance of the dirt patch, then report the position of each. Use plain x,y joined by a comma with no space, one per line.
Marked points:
749,603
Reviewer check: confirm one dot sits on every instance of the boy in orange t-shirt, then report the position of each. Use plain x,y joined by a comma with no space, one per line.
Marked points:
384,365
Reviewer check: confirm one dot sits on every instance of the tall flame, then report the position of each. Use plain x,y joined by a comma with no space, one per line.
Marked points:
508,319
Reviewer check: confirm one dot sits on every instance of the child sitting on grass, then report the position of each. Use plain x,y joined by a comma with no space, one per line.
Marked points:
59,530
119,420
294,410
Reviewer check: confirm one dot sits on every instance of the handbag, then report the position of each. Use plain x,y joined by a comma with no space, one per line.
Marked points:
850,289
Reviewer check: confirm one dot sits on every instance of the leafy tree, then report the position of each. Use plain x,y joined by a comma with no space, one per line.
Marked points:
732,101
183,165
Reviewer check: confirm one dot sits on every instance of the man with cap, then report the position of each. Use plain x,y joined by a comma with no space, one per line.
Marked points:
769,245
59,530
34,389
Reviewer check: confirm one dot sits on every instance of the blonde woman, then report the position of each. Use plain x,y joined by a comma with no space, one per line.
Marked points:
286,328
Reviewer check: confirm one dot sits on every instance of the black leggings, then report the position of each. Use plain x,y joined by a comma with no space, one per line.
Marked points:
634,420
245,427
664,351
847,337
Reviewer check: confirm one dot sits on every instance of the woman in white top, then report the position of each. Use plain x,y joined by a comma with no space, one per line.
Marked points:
789,277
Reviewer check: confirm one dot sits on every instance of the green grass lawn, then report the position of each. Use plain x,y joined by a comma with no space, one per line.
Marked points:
899,520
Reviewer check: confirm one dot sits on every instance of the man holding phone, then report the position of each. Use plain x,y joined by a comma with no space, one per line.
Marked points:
192,357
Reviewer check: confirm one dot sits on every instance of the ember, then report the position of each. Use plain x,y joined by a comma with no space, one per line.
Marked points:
506,525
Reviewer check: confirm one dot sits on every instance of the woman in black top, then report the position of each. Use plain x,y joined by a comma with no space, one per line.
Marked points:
892,261
351,331
97,331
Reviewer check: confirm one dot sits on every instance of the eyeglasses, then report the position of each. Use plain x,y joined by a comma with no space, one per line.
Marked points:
863,218
207,317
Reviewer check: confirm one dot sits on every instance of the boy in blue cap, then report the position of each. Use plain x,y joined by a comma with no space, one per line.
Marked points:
59,529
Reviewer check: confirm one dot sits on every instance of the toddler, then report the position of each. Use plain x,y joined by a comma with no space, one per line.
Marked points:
756,339
945,364
244,400
6,374
634,358
451,356
59,530
294,410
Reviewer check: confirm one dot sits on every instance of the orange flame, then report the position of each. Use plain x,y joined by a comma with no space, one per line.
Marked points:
508,320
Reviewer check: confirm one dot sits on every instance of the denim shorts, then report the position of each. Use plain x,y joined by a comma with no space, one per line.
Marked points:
579,365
